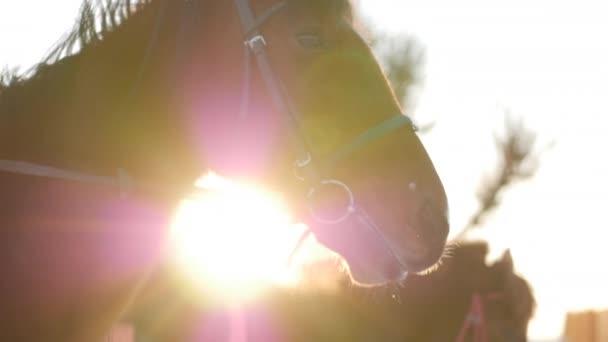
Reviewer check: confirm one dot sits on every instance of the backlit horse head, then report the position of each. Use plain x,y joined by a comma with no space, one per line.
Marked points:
167,89
184,79
345,107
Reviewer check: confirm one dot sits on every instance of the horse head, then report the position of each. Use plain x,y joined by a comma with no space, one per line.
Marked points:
167,89
469,299
510,312
334,98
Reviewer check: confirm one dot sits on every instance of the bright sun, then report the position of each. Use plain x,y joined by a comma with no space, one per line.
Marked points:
234,239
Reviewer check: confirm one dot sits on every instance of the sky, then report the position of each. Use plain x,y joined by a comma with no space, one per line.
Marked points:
546,61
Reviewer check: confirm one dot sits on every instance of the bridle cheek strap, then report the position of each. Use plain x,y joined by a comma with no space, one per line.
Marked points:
256,43
305,167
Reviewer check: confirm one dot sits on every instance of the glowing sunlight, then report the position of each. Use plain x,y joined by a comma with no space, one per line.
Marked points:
234,239
544,61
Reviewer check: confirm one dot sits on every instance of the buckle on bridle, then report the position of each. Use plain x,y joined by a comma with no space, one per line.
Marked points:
255,42
343,214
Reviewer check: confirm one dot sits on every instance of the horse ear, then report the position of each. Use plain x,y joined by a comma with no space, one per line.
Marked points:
507,261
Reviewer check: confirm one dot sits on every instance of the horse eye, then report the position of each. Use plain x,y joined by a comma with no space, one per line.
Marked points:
310,41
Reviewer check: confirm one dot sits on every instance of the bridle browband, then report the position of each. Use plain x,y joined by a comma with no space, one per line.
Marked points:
306,167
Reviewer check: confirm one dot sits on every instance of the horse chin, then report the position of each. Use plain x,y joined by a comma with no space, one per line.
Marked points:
369,263
373,262
370,277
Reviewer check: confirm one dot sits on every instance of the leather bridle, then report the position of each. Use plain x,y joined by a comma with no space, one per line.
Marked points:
306,167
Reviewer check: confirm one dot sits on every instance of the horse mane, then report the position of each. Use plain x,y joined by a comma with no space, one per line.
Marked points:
95,19
117,64
98,76
99,18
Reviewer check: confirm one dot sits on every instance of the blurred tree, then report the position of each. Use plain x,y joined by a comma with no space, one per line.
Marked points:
518,160
402,58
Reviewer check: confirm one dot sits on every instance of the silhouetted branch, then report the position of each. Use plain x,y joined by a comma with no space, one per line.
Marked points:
518,161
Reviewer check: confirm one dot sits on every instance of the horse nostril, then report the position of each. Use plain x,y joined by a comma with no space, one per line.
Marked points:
393,271
432,224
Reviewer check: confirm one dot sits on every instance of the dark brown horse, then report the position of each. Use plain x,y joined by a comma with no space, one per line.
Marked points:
155,89
464,300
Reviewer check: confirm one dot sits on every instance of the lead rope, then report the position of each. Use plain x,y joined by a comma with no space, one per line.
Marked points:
475,319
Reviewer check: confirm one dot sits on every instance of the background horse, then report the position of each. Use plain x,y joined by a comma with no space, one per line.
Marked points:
464,299
155,89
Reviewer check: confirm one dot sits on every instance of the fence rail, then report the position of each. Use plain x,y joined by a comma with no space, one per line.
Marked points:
588,326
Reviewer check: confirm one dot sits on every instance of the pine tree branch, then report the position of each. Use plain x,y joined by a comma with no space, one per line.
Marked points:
518,161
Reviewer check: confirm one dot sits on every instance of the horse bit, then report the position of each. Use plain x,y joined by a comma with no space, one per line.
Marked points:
304,166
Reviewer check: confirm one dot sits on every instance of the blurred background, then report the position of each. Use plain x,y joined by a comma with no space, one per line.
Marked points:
511,98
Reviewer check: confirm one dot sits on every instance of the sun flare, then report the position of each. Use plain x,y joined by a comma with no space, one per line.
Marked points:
234,239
